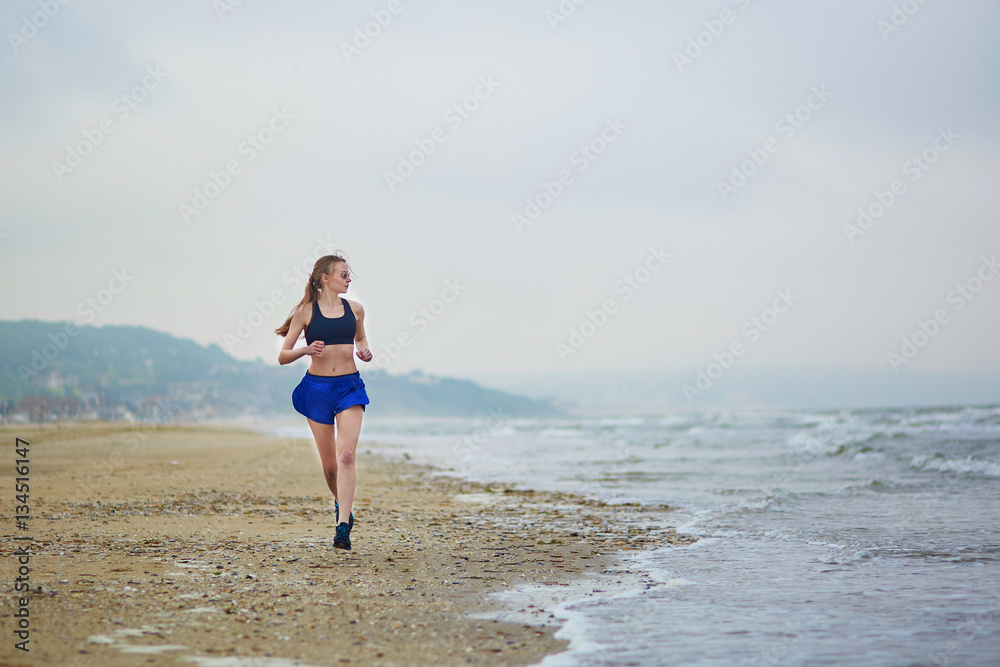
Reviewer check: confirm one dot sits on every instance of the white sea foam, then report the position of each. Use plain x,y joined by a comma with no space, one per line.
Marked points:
963,465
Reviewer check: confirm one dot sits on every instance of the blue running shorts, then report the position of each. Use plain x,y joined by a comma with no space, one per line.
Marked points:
321,397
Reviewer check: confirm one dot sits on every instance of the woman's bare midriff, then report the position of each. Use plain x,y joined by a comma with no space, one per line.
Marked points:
334,360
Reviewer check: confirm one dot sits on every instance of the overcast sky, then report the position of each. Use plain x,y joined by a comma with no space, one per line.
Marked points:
666,120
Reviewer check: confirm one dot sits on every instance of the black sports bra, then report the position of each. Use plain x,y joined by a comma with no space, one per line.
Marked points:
332,331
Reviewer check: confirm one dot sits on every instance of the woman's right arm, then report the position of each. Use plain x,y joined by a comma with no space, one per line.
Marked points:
287,355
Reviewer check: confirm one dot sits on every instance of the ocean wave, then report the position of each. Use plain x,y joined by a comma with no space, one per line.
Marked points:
879,486
834,445
563,434
620,421
983,419
675,421
865,454
968,465
848,556
760,504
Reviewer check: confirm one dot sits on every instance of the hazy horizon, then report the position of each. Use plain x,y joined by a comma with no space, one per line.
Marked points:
566,200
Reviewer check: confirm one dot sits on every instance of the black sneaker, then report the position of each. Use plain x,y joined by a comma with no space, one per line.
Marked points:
336,510
343,538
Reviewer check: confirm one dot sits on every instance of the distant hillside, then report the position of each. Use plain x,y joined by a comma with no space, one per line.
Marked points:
55,367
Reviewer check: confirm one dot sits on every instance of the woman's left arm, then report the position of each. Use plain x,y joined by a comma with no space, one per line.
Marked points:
360,341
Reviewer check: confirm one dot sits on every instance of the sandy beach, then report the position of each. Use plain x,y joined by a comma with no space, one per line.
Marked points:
189,544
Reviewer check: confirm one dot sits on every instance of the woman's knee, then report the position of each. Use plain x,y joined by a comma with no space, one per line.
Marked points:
330,472
345,457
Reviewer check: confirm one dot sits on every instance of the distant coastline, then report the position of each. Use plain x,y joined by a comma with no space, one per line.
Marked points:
60,371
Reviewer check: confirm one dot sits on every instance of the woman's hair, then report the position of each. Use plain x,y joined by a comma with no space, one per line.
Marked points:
322,266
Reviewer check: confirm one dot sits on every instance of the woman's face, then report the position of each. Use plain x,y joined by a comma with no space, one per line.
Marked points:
339,277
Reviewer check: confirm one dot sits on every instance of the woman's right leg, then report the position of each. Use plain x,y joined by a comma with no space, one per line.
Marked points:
325,443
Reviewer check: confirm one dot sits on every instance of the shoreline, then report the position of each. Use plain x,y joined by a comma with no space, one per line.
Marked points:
182,544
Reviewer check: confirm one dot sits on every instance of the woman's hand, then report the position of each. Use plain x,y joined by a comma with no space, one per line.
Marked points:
315,348
365,354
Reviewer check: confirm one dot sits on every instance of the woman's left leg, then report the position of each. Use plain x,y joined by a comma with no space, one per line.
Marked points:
348,431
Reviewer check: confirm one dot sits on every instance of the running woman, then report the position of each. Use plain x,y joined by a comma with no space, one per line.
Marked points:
332,391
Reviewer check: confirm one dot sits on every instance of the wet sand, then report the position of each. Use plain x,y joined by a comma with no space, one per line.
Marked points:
190,544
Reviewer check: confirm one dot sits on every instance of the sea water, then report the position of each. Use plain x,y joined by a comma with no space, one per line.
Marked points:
864,537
